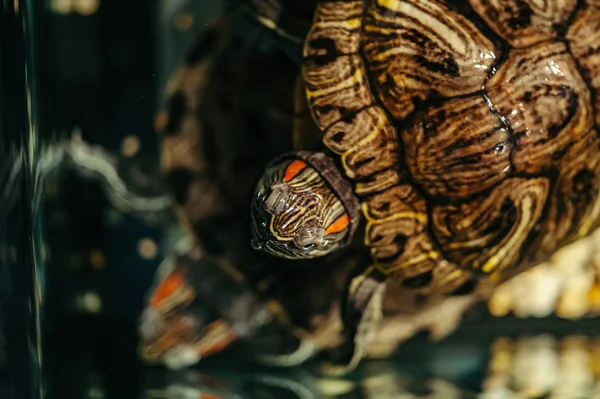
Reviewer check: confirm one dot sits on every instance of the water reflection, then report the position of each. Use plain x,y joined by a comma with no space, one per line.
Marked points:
532,366
21,277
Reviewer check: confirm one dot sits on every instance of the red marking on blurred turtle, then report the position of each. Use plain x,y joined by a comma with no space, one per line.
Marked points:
220,345
209,396
167,287
219,335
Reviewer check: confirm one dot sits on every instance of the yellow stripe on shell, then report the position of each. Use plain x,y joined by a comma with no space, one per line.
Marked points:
357,78
431,255
377,129
500,256
421,217
590,220
362,188
384,55
348,24
472,243
379,29
427,21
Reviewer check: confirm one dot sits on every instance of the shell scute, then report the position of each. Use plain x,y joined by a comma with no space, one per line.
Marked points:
381,182
525,22
366,142
458,149
400,198
574,207
340,25
541,94
421,49
397,212
584,41
337,89
412,255
488,232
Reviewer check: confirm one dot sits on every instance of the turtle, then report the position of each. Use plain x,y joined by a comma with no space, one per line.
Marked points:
216,292
459,144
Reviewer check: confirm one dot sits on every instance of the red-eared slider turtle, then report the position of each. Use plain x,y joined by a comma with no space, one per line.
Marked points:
230,109
461,135
225,112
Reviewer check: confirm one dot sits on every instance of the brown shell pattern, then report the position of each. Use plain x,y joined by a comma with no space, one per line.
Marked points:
469,128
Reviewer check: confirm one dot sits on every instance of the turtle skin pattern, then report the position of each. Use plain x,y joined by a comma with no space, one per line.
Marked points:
468,128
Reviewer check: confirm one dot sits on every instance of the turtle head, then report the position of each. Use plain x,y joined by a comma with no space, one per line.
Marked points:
297,210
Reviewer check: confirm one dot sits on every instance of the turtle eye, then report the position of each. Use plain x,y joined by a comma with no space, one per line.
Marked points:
307,237
278,199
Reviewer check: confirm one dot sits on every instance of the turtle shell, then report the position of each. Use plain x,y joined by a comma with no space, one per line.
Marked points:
469,129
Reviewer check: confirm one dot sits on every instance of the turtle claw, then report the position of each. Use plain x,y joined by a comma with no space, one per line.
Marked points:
362,316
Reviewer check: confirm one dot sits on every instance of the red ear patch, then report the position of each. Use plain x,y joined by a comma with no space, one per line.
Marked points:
167,287
338,225
293,169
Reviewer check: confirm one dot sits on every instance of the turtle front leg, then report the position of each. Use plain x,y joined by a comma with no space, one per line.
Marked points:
362,314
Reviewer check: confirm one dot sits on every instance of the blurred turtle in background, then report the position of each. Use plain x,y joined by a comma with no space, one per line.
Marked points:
228,110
